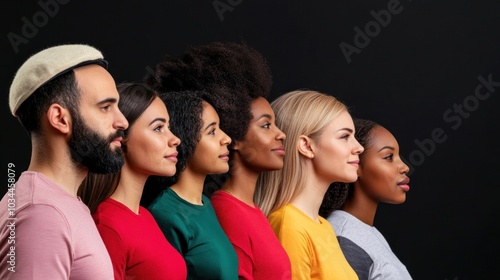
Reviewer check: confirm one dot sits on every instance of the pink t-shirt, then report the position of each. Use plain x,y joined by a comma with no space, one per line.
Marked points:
260,254
136,244
53,236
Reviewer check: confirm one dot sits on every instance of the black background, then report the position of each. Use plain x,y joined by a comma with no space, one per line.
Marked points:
410,74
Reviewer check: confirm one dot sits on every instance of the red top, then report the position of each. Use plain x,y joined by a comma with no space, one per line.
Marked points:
136,245
260,254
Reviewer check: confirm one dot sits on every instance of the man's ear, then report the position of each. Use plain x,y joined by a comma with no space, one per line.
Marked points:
59,118
305,146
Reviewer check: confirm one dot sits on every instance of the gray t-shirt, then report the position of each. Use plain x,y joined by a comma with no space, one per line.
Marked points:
366,249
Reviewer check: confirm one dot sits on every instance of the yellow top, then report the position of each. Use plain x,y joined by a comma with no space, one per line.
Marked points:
313,247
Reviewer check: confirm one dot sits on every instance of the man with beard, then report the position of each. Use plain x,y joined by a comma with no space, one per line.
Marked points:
68,103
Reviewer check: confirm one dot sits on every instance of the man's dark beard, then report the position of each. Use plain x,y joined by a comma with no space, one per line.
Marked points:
92,150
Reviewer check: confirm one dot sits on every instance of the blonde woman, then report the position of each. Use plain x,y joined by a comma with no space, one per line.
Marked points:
320,149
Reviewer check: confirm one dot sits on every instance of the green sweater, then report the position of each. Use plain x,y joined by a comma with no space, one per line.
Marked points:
196,233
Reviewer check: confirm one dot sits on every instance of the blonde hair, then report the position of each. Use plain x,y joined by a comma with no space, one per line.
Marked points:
299,112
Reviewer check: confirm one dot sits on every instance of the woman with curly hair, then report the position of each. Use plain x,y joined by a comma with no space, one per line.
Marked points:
320,149
135,243
183,213
238,80
382,178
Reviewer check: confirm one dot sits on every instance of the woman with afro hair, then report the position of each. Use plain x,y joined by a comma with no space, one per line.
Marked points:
183,213
238,80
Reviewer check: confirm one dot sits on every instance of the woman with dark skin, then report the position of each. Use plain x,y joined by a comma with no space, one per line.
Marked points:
237,80
382,178
183,213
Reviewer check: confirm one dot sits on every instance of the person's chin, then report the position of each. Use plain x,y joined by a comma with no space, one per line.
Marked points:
222,169
401,199
170,172
115,146
351,178
273,167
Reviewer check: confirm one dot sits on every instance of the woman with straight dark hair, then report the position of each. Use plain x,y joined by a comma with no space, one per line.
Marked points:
134,241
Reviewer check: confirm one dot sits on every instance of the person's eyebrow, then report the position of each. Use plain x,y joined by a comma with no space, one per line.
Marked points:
158,119
386,147
209,125
265,116
347,129
107,100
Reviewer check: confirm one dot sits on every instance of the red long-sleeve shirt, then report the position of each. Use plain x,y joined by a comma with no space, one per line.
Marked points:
260,254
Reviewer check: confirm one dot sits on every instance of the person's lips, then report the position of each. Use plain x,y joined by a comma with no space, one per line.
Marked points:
172,157
224,156
279,150
354,163
117,141
404,184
